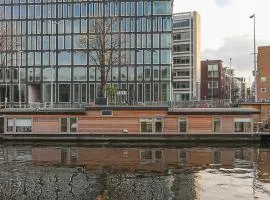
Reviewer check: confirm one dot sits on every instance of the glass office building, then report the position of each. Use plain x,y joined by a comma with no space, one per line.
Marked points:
49,52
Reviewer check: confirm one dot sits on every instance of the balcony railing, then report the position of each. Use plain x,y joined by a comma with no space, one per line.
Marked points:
223,103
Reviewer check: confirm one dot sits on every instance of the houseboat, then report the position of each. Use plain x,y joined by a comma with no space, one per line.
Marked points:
127,120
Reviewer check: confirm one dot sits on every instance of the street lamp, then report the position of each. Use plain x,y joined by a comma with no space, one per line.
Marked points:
231,77
255,62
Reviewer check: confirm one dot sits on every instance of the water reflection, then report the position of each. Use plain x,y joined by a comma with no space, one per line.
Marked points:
134,173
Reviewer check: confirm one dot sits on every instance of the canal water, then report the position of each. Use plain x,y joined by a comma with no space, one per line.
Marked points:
101,173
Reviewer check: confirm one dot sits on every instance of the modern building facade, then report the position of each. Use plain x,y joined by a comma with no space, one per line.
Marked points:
50,64
263,74
186,56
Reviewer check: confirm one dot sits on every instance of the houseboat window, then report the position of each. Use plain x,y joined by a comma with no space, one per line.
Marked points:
64,125
106,113
242,125
183,125
158,126
146,126
10,125
73,124
216,125
23,125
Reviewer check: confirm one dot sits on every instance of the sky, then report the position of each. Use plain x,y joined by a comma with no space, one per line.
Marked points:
227,31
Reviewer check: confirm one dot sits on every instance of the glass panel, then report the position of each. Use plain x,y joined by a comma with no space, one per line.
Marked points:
158,126
146,126
123,73
162,7
10,124
139,73
48,74
79,74
92,92
64,125
183,125
23,125
76,92
64,93
83,93
73,125
216,125
147,92
64,74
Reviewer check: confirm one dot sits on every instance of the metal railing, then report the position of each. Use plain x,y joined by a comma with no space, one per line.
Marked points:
222,103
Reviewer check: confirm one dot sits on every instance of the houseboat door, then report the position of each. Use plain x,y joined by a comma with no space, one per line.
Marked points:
1,124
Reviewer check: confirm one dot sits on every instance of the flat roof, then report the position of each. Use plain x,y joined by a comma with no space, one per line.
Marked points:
213,111
36,111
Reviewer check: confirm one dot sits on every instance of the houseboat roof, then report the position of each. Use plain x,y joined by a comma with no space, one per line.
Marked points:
213,111
171,111
34,111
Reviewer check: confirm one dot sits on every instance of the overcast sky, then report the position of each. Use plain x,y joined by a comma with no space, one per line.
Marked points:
227,30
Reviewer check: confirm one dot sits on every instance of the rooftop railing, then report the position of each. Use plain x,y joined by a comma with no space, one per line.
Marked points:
223,103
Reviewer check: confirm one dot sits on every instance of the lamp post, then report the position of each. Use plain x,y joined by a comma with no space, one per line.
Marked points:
231,77
255,62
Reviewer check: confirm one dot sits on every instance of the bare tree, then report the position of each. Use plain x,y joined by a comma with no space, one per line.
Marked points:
104,47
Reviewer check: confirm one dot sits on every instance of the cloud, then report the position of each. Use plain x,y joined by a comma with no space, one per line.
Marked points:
240,49
222,3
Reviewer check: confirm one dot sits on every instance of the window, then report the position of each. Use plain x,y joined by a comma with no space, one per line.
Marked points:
79,74
162,7
181,85
181,48
64,93
147,90
64,74
213,71
263,79
212,84
183,125
76,92
216,125
10,125
73,124
152,125
263,90
181,60
106,113
158,126
181,36
23,125
68,125
242,125
64,125
147,126
182,24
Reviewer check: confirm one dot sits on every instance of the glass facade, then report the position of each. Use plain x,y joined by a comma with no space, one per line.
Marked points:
49,51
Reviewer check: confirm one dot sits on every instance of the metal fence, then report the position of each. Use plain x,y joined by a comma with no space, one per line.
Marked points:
223,103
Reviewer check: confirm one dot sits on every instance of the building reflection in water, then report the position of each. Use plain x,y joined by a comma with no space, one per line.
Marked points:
120,173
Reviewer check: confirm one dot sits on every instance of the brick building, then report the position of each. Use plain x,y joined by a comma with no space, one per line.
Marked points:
213,80
263,74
